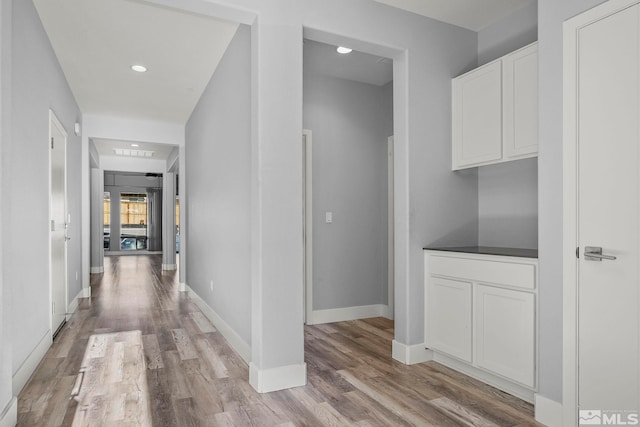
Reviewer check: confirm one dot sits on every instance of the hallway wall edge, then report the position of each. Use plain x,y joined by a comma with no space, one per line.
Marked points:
9,417
232,337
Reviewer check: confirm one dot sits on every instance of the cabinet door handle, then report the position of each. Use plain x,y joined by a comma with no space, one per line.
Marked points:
594,253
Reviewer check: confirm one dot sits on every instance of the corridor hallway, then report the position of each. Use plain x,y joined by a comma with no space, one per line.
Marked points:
144,329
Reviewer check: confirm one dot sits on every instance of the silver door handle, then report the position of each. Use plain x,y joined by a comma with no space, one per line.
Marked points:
594,253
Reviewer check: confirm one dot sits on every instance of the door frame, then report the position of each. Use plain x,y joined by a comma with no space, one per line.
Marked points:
55,122
390,230
570,202
307,223
307,199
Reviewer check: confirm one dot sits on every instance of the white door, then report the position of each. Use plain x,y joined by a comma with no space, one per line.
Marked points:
58,223
606,123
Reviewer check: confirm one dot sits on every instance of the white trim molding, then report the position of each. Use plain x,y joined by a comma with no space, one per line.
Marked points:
547,411
232,337
28,367
9,416
73,305
169,267
86,292
410,354
496,381
308,224
280,378
347,313
182,287
97,270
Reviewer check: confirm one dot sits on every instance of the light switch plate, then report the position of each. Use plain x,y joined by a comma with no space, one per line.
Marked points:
328,217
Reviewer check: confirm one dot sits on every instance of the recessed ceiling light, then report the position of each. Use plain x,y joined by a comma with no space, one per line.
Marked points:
135,145
139,68
344,50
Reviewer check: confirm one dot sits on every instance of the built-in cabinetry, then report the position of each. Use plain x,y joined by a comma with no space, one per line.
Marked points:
480,316
495,111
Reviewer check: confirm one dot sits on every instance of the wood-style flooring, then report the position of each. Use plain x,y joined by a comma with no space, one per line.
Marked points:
138,329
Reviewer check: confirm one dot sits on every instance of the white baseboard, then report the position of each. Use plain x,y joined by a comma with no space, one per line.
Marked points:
73,305
548,412
238,344
9,416
410,354
281,378
347,313
96,270
29,366
498,382
169,267
182,287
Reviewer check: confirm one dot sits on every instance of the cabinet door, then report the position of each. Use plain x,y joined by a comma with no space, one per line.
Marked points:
477,117
448,318
520,91
505,333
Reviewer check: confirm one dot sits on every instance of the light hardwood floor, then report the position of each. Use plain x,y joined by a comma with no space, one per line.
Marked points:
187,375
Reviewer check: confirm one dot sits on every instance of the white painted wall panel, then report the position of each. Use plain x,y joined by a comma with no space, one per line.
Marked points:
218,159
552,13
38,84
6,337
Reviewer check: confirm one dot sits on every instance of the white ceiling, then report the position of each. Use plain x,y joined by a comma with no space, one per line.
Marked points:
96,42
472,14
321,58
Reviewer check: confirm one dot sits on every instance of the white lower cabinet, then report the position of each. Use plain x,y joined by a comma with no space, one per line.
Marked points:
505,332
450,304
480,315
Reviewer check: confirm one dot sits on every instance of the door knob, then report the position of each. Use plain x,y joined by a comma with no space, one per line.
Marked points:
594,253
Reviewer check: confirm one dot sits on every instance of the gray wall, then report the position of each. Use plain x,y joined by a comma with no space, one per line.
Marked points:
518,29
508,204
351,122
38,84
218,173
5,121
137,180
551,15
508,192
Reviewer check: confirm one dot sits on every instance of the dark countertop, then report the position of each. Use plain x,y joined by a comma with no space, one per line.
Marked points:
488,250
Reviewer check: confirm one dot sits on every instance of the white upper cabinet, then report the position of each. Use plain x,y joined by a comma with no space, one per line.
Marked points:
495,111
520,97
477,117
